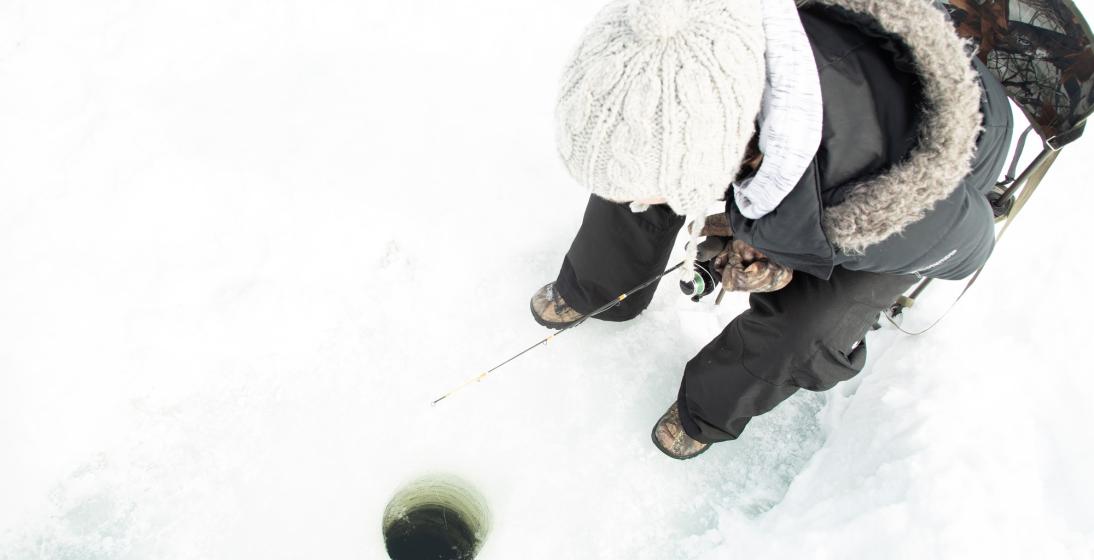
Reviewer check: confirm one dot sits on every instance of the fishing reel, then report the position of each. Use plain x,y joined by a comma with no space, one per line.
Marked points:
704,282
705,279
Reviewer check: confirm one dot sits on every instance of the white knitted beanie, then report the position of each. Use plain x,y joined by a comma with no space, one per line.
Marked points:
660,101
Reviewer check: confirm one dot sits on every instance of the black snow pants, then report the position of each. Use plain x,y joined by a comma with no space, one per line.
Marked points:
809,335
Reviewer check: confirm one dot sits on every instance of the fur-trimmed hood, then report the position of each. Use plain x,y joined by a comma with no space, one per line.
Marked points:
885,205
915,133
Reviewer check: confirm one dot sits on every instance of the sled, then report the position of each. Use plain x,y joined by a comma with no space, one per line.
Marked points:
1041,52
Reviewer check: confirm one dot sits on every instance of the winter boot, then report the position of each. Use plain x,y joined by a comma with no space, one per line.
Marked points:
550,310
669,436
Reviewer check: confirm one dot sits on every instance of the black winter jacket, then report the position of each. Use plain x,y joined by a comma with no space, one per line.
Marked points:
873,106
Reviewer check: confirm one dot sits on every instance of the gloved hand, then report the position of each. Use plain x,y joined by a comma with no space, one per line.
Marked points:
744,269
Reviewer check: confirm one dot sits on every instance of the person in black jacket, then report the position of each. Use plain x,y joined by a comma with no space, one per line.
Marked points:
913,136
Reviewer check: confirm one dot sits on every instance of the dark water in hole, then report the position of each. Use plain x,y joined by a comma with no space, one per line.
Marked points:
430,533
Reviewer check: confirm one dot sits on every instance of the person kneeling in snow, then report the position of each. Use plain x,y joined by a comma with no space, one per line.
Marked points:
875,140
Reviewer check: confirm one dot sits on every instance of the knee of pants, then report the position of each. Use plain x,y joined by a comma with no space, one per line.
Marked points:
811,334
808,353
829,365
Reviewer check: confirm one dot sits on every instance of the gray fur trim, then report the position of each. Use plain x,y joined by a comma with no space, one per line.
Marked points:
883,206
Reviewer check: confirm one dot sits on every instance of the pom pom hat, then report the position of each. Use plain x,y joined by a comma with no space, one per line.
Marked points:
661,100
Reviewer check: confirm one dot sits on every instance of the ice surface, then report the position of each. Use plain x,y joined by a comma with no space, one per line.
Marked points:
243,245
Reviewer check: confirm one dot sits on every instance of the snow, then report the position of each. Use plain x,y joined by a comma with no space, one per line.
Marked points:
245,244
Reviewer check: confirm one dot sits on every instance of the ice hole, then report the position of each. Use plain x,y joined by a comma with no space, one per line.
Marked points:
435,518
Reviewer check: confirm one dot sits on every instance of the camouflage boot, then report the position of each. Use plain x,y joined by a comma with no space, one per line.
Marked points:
669,436
550,310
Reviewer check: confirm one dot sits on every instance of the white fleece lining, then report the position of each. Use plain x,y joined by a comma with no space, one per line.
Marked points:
792,116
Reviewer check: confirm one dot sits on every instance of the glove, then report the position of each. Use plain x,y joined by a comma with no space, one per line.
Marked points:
744,269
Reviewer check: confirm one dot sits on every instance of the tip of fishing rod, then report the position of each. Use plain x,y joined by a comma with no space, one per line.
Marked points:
438,400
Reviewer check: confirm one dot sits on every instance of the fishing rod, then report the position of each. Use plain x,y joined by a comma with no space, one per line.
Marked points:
574,325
